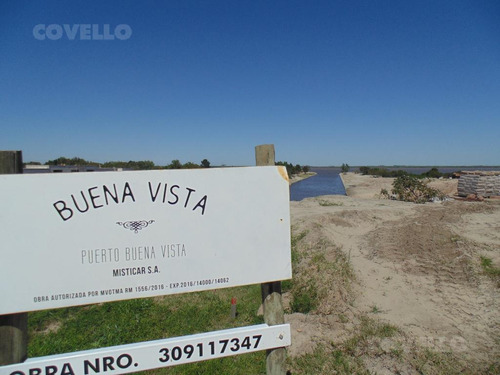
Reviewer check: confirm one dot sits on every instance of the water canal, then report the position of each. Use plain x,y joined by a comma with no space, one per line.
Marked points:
326,182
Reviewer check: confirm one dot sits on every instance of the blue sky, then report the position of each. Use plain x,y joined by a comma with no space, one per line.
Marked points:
328,82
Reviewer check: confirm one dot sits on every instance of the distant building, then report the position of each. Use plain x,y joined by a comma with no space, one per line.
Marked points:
33,168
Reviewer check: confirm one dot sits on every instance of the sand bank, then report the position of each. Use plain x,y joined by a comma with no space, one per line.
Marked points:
302,176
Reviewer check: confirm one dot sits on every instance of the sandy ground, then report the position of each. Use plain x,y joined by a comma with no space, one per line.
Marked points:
359,186
417,267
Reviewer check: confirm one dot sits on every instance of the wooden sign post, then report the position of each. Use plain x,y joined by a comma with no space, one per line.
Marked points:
13,327
271,292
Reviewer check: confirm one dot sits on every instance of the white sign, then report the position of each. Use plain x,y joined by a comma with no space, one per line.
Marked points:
154,354
74,239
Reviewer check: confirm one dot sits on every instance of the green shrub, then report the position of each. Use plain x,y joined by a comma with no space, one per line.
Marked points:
433,173
305,298
325,203
490,269
411,189
385,194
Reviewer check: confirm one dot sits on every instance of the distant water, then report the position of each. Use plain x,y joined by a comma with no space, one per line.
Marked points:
326,182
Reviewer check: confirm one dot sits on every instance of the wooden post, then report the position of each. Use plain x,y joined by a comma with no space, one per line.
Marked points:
11,162
13,327
271,292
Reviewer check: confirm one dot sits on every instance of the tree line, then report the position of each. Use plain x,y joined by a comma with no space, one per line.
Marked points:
384,172
131,164
293,169
149,165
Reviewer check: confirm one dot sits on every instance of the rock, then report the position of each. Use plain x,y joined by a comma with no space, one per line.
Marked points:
475,198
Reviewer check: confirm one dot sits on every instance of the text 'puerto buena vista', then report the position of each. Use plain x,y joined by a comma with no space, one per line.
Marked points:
133,253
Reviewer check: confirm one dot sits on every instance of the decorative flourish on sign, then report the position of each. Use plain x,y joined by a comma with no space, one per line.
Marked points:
135,225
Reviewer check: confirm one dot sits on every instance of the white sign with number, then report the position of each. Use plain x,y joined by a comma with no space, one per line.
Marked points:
149,355
74,239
